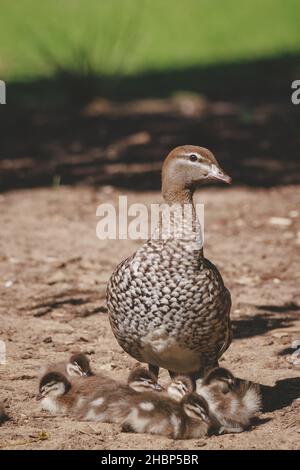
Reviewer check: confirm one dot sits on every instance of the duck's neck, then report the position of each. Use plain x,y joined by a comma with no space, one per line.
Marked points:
183,224
177,195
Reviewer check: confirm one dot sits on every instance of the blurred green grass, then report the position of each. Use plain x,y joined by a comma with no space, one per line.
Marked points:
127,37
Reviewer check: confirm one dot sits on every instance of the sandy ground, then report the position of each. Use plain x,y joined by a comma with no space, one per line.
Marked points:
53,274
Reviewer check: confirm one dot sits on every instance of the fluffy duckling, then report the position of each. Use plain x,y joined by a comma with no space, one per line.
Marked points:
142,380
89,398
53,393
59,394
155,414
232,402
107,405
180,386
197,422
78,365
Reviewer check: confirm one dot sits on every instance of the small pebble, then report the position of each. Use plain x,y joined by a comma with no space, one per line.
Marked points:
8,284
280,221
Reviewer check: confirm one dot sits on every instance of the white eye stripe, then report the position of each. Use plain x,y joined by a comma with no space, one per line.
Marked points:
49,386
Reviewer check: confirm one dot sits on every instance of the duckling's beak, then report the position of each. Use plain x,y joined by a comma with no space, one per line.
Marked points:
157,387
217,173
38,397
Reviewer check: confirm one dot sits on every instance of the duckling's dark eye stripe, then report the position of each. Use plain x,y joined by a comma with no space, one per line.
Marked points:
49,385
193,409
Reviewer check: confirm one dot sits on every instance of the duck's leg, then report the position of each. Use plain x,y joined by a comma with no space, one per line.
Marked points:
172,374
154,369
208,364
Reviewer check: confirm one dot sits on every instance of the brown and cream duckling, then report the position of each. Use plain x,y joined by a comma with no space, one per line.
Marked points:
143,380
155,414
111,405
61,394
197,419
89,398
78,365
54,393
180,386
232,402
168,288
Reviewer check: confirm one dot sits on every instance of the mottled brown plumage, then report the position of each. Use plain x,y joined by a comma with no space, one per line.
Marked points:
168,305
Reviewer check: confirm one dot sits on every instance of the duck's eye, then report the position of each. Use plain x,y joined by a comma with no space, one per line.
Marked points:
193,157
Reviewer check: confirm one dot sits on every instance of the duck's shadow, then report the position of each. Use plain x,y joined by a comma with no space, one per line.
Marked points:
282,394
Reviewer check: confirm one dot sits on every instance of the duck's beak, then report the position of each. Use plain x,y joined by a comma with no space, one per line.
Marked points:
217,173
38,397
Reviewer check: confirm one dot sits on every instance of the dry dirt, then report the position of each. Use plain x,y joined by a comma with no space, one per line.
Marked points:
53,274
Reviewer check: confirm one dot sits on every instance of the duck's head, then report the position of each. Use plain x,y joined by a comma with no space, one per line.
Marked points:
187,167
220,377
196,407
179,387
54,385
142,380
79,365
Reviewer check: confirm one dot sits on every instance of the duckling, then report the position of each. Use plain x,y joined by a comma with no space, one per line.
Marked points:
111,405
167,287
180,386
77,365
232,402
54,393
153,414
143,380
58,394
197,419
